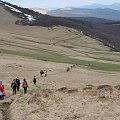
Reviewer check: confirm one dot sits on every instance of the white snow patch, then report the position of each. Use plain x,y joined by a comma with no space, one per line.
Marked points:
13,9
30,17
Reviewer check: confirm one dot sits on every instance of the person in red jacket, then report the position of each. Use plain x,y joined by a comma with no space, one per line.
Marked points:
2,91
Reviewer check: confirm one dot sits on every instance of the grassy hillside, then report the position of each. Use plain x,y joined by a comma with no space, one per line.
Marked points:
56,44
93,27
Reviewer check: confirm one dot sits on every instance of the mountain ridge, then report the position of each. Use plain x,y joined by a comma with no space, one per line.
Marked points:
114,6
105,13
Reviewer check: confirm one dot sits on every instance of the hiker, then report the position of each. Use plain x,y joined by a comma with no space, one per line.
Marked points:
74,65
2,91
45,72
18,83
34,80
41,72
25,85
14,86
68,69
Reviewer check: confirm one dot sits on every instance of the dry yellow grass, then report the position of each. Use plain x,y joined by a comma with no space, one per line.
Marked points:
86,94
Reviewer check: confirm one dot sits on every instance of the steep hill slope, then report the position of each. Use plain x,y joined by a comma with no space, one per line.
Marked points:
6,19
58,44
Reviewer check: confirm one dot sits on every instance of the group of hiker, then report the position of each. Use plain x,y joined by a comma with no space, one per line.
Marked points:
68,68
15,85
43,72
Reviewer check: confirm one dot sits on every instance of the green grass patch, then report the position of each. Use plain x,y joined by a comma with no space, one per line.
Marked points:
113,57
109,59
104,53
60,58
67,46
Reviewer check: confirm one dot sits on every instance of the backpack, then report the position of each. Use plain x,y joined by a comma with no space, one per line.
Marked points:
1,88
13,85
1,93
25,84
34,79
18,82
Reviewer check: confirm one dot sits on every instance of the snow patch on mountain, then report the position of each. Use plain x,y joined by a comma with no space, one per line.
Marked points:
13,9
29,17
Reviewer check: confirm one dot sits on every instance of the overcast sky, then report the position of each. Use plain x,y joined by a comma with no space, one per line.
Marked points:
58,3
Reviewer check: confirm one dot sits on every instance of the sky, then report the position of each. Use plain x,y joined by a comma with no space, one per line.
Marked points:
58,3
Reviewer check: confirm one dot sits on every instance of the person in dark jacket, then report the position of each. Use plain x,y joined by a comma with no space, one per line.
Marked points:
18,83
25,85
14,86
34,80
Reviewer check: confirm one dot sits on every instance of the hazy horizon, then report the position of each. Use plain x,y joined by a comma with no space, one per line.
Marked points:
49,4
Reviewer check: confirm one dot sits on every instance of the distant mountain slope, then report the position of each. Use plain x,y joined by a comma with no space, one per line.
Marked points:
114,6
105,13
102,31
94,6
